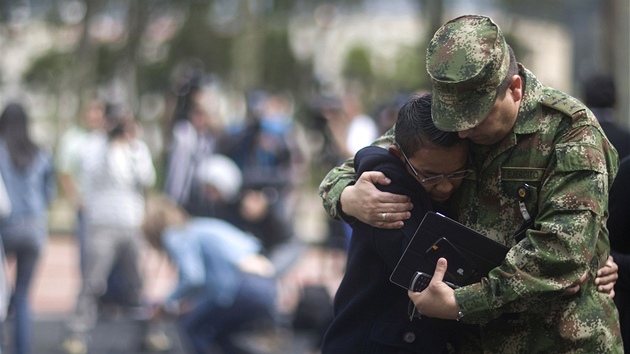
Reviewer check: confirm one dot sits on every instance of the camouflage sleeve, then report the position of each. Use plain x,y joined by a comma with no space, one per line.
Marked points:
341,176
569,236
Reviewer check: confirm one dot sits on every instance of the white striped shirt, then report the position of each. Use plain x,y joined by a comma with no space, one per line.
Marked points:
116,176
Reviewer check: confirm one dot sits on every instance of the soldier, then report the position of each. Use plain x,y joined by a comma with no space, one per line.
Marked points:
542,172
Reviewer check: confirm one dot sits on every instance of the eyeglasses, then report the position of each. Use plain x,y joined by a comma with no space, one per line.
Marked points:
435,179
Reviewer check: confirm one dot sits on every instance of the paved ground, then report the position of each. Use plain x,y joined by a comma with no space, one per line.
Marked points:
112,336
122,336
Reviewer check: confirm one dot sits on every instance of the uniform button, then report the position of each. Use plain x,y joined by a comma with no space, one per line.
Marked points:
409,337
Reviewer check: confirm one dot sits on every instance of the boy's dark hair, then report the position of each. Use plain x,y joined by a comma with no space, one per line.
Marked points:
415,128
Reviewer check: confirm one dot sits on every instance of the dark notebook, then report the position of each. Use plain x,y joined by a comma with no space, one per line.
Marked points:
470,255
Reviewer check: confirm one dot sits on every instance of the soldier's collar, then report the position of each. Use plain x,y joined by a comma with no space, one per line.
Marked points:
529,118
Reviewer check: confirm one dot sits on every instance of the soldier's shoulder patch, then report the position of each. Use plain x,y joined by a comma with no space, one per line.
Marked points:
562,102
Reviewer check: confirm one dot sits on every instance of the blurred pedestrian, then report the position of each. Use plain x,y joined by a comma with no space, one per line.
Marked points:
221,182
349,127
29,176
71,145
600,95
225,285
266,151
248,209
330,121
192,137
619,228
5,292
361,128
117,173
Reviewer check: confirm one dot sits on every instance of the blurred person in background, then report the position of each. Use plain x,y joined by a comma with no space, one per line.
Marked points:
71,145
387,112
225,285
304,304
330,120
349,127
5,292
361,128
221,181
619,233
386,116
192,136
600,96
346,131
29,176
266,151
117,173
247,209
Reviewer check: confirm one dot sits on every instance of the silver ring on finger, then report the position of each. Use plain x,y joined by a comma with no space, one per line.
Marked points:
384,216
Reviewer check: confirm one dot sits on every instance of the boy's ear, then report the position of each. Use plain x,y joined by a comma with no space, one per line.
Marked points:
394,149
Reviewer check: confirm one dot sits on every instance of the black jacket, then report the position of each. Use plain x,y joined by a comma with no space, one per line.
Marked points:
370,312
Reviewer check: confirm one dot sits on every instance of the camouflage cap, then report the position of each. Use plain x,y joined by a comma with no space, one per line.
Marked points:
467,59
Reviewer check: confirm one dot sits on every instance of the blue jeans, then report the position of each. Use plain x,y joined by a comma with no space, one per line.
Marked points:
23,240
208,325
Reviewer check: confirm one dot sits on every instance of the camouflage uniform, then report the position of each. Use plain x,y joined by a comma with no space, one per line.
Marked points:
559,158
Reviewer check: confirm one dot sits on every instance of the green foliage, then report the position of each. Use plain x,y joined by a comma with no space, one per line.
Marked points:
197,39
410,73
108,59
521,51
154,77
48,69
279,66
357,65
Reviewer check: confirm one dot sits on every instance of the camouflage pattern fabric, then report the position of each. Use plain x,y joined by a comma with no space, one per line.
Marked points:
467,59
558,149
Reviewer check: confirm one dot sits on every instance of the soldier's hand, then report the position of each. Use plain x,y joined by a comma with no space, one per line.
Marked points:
607,277
605,281
578,285
373,207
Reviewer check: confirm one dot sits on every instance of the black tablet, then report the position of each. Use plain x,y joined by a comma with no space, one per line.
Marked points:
470,255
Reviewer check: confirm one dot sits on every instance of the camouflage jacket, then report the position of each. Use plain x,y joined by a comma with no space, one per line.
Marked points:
559,154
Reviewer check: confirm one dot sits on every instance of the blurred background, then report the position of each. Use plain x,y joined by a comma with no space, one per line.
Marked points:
60,53
306,65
